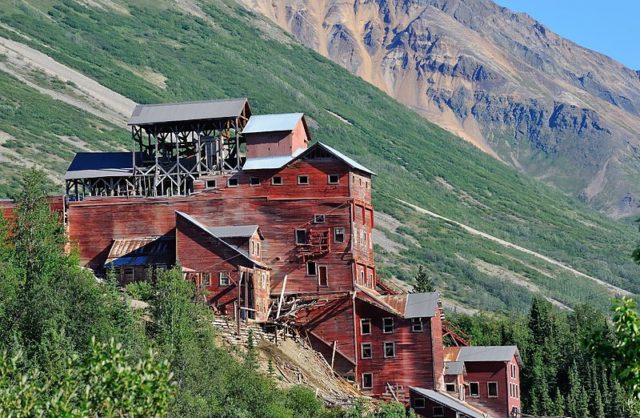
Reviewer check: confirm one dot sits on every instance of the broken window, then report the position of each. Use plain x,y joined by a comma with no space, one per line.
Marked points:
224,278
206,279
416,324
338,235
387,325
438,411
129,274
367,380
311,268
492,389
365,350
418,403
474,389
389,349
301,236
319,219
365,326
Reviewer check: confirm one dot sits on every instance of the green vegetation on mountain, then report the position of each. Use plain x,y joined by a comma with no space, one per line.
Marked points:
229,52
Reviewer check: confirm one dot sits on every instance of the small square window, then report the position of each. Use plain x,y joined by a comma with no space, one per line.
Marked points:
492,389
338,235
254,181
211,184
277,181
319,219
387,324
367,380
389,350
303,179
418,403
438,411
129,274
365,326
365,350
206,279
311,268
301,236
474,389
224,278
333,179
450,387
232,182
416,324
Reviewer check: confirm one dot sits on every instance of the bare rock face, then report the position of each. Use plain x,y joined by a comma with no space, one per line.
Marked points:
501,80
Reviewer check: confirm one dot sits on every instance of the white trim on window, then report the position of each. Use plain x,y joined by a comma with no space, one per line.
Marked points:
277,181
370,384
489,384
367,346
364,321
387,325
338,232
333,179
223,278
303,180
418,403
392,345
416,325
477,394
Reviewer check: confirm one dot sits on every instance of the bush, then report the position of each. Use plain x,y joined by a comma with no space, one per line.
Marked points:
140,291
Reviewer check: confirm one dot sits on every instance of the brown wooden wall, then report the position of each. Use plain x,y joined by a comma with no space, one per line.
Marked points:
269,144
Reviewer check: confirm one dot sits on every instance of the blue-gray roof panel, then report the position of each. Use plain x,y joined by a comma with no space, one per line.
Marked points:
187,111
421,305
272,123
87,165
488,353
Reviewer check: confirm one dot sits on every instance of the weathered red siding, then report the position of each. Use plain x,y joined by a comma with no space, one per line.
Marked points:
484,372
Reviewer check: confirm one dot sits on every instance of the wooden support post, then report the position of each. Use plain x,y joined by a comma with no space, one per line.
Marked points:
284,285
238,304
392,391
333,354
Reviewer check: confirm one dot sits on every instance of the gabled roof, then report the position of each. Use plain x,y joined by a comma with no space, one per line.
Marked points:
87,165
239,253
273,123
272,163
489,353
235,231
449,402
453,368
187,111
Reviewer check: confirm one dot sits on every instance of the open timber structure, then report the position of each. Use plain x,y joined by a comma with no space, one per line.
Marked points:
274,229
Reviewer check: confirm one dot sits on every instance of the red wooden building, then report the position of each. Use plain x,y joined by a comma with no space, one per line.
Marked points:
272,229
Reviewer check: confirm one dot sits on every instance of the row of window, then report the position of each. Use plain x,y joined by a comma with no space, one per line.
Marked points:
275,180
492,389
322,272
514,370
389,350
388,325
514,391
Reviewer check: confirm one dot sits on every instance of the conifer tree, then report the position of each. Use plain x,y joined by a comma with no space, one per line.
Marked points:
424,284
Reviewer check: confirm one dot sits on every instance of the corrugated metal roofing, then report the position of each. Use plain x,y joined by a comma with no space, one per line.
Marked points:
177,112
420,305
233,231
488,353
272,123
266,163
138,251
88,165
352,163
449,402
453,368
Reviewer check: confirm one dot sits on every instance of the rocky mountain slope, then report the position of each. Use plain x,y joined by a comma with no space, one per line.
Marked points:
69,70
505,82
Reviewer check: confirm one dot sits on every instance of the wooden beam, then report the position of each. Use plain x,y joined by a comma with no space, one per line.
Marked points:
333,354
284,285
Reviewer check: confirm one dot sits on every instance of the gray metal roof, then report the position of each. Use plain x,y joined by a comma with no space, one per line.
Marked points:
453,368
87,165
233,231
421,305
488,353
266,163
176,112
272,123
448,401
350,162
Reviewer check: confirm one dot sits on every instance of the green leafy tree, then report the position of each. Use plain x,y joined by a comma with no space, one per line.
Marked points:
424,284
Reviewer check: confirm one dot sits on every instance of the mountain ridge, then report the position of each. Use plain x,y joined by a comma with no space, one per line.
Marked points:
501,80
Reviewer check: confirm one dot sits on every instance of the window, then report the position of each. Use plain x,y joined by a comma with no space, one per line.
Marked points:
323,276
416,324
301,236
438,411
264,280
450,387
254,181
206,279
211,184
233,182
319,219
333,179
303,179
129,274
474,389
387,324
338,235
492,389
418,403
224,278
365,350
276,181
311,268
257,249
161,267
517,392
367,380
389,349
365,326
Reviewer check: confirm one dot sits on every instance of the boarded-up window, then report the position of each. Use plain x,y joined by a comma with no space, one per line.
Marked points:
323,276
